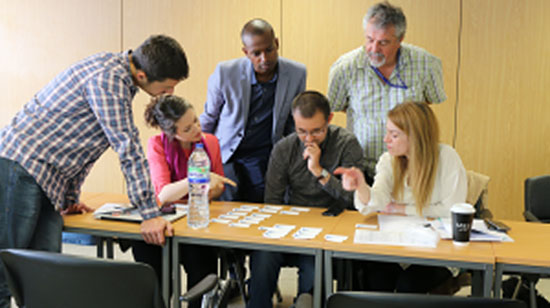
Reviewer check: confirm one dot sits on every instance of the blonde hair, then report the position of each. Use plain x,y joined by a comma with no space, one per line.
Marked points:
419,123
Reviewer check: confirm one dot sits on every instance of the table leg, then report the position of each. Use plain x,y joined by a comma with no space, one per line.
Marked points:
477,283
328,274
487,281
317,286
482,281
176,275
499,270
166,271
99,246
109,246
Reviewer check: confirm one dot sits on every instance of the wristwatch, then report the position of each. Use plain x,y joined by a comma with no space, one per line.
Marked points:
324,174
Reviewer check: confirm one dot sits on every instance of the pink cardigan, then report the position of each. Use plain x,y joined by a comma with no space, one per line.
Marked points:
160,171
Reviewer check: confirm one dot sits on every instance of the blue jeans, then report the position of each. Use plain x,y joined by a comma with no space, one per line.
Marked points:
27,217
264,274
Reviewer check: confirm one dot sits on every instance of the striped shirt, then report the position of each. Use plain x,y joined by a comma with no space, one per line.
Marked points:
355,87
66,126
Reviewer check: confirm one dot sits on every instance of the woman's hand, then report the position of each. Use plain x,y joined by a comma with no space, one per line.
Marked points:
217,183
216,179
394,208
352,178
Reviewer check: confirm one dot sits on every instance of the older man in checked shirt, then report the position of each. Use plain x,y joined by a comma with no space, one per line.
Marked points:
369,81
50,145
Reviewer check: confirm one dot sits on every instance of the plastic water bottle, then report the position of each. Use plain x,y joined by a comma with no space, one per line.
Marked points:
198,175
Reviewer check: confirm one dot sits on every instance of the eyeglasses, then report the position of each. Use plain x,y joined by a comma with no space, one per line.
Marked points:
314,133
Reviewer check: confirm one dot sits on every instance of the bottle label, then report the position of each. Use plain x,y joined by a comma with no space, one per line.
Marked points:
199,175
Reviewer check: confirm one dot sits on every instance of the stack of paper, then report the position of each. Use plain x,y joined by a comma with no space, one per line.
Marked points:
399,231
125,212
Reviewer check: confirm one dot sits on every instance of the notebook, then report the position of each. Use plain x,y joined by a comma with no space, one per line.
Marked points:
127,212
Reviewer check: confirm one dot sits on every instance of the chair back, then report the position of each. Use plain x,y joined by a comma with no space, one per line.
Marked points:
40,279
401,300
537,197
478,191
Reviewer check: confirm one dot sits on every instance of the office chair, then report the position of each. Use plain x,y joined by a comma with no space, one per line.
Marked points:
537,199
40,279
537,209
402,300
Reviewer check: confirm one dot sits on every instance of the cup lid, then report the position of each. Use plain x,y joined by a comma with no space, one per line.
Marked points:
464,208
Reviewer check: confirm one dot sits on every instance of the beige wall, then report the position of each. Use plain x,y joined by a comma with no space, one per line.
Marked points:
39,39
502,125
504,113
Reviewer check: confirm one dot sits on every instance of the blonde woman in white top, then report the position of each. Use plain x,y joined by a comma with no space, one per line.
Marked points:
417,176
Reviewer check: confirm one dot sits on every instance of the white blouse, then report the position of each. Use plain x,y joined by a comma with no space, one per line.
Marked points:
450,187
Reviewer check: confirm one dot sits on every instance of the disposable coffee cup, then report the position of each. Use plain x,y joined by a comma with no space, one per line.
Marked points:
462,217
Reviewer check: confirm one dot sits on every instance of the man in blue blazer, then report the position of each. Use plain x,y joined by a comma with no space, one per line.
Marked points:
248,108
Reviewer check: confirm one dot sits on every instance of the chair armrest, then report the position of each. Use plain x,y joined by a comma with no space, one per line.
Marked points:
485,213
531,217
305,300
204,286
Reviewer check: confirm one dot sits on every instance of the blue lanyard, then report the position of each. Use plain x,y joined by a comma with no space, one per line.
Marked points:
399,86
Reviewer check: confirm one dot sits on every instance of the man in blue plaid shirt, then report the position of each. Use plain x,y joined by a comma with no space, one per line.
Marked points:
51,144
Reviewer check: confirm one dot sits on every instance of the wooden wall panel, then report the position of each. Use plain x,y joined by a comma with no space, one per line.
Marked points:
504,129
316,33
39,39
209,32
502,126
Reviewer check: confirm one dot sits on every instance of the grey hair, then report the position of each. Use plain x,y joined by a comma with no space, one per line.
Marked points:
383,15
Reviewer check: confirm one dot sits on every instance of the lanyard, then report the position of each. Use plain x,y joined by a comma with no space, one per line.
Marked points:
400,86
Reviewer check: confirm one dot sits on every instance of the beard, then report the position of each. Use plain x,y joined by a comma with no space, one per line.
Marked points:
373,56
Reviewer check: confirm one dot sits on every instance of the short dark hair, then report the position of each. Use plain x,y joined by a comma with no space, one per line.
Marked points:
257,26
309,102
161,57
164,111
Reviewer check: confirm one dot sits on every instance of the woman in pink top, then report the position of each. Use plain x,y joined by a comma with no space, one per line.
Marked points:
168,153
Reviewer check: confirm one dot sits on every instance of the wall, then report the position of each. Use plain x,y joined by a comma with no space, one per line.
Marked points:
497,47
38,40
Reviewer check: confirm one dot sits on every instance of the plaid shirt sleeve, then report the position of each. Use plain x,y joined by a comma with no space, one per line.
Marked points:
110,100
337,87
72,196
434,91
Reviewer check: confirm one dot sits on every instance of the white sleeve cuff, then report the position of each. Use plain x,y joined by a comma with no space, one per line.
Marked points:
360,206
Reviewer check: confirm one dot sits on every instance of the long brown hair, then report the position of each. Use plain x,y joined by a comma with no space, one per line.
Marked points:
419,123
